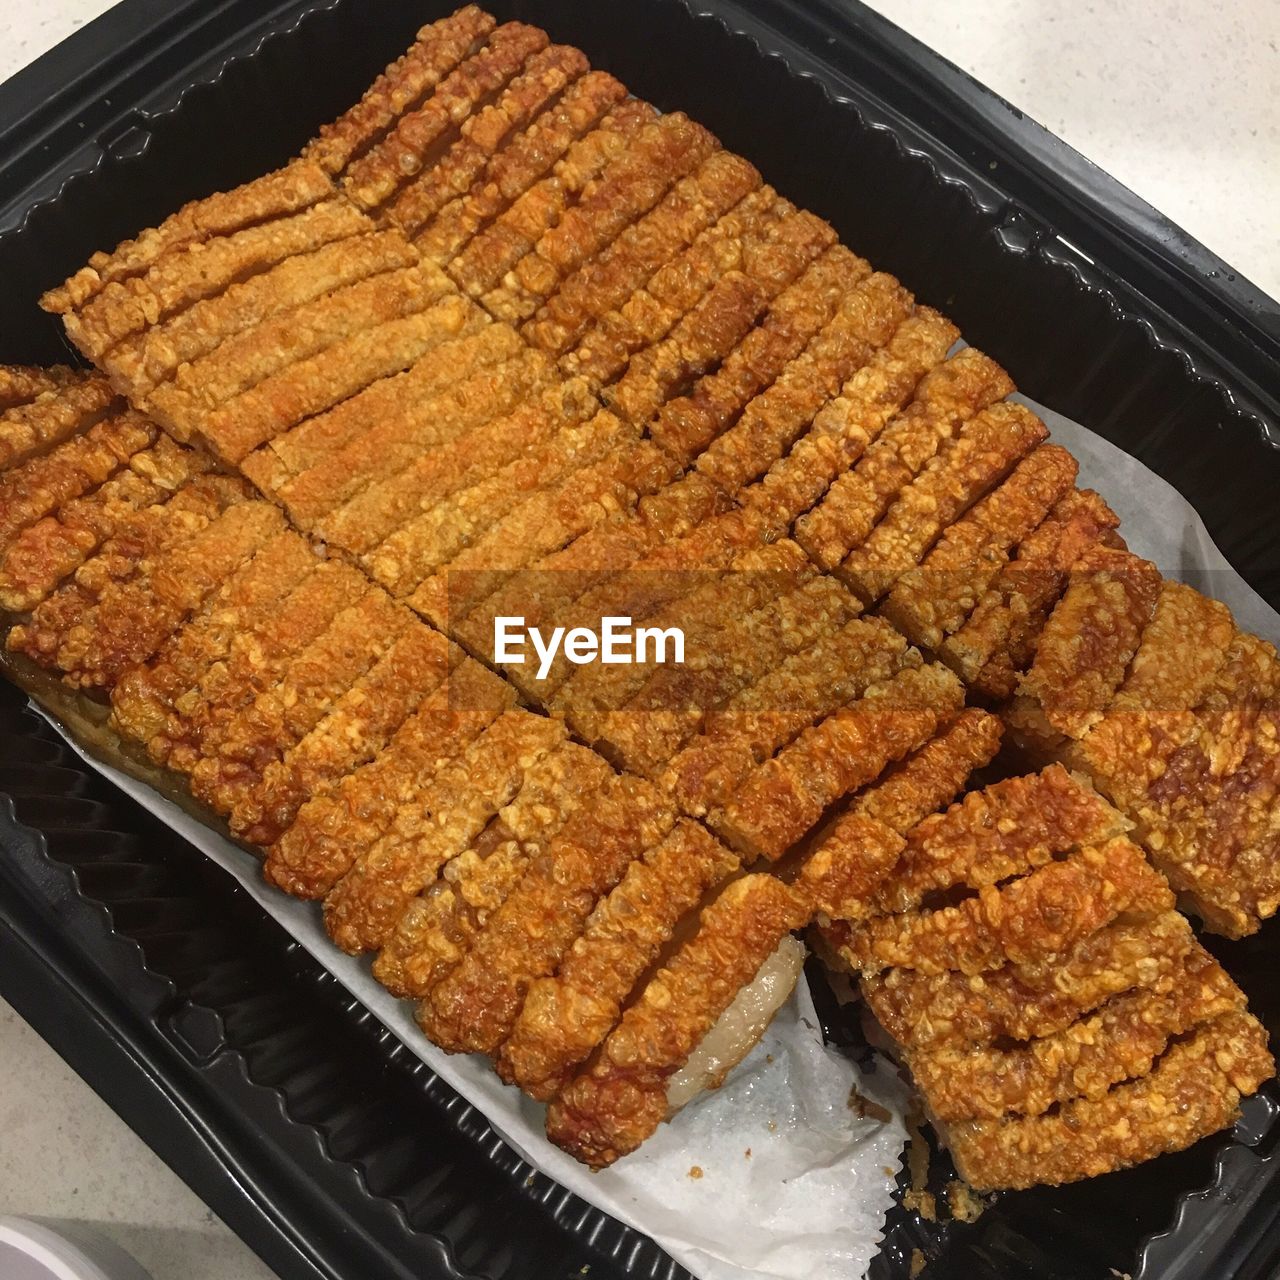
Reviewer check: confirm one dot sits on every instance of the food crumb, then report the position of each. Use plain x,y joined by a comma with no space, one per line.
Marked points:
773,1126
696,1172
768,1057
918,1262
748,1153
867,1109
965,1203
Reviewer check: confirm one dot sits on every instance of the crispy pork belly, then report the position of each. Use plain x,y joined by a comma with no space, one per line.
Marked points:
1089,640
1043,913
373,330
1119,1042
866,320
633,1083
524,161
352,732
483,263
421,137
297,186
332,829
897,445
607,280
441,924
256,661
437,50
145,697
1005,830
22,383
687,424
597,485
1194,1090
793,694
482,136
440,535
438,822
1188,749
566,1016
70,404
784,797
660,154
996,643
649,314
191,273
674,701
125,601
280,717
42,484
474,1007
983,452
930,778
931,602
952,1011
331,462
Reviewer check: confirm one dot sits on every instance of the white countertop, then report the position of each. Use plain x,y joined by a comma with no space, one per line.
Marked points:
1179,99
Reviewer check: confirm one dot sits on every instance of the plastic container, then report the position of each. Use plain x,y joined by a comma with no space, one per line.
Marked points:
44,1249
324,1142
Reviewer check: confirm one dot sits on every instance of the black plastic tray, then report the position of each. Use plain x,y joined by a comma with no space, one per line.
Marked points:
327,1145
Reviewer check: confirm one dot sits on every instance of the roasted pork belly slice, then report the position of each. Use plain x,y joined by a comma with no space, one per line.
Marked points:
483,263
332,830
525,161
441,924
482,136
474,1007
277,195
1194,1090
1120,1042
1042,914
780,801
438,822
437,50
421,137
607,280
931,602
68,406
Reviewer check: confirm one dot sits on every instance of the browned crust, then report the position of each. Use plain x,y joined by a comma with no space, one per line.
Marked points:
1193,1091
297,186
483,135
929,603
1005,830
527,159
53,416
441,924
617,1102
1043,914
764,717
866,320
419,136
438,48
782,799
983,452
331,829
952,1010
439,822
896,450
607,280
475,1006
935,774
1119,1042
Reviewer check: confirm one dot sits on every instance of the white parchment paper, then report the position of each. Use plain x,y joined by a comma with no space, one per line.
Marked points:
793,1183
